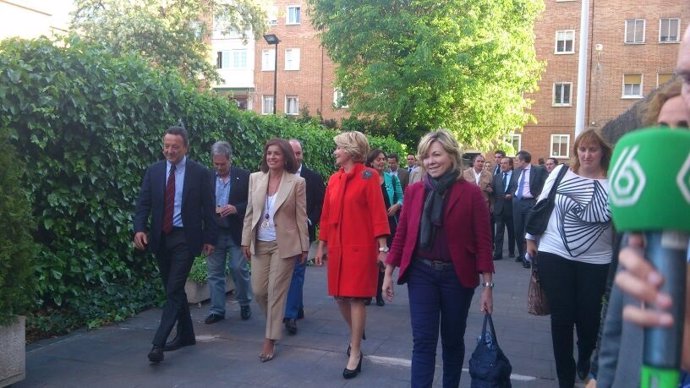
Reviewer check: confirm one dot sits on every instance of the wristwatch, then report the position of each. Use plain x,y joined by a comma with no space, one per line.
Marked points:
488,284
384,249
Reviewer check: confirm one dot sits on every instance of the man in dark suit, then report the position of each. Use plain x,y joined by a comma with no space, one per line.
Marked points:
526,185
294,306
503,209
177,196
231,185
401,173
498,156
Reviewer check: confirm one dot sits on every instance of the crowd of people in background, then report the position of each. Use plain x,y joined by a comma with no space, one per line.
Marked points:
442,223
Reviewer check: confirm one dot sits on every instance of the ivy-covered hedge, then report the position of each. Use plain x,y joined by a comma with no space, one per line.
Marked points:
85,125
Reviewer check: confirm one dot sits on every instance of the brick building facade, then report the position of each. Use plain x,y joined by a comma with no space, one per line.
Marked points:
633,46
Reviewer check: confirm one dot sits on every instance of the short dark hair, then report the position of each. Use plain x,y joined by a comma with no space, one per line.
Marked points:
500,152
372,155
524,156
178,131
288,155
391,156
555,161
474,158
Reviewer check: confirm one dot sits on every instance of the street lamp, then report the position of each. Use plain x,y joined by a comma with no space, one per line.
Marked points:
272,39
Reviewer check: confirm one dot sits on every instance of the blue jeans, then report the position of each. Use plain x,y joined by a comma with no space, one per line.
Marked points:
239,269
294,301
436,296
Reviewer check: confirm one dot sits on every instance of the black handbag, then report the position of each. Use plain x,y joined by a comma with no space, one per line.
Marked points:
489,366
538,217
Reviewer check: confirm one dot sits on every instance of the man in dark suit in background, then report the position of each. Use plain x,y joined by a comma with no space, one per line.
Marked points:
526,185
177,196
294,306
503,209
401,173
231,185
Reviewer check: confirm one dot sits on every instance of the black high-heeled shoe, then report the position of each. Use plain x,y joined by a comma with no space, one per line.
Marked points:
349,374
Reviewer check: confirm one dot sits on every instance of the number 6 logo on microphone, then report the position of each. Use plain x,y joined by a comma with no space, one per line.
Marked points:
627,179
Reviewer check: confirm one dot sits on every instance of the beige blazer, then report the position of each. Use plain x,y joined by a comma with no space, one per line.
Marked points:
485,182
290,217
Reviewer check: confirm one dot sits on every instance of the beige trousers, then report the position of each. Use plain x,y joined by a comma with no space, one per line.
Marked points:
271,276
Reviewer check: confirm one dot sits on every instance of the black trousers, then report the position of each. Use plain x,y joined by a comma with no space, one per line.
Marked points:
174,262
574,290
504,221
520,209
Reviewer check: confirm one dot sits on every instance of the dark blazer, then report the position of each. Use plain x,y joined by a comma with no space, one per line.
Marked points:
501,204
239,189
198,206
466,222
404,177
316,189
538,175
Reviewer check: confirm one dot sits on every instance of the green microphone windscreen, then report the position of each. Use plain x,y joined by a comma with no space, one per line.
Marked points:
649,180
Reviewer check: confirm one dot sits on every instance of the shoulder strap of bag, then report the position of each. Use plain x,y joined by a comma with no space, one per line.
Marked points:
487,318
559,178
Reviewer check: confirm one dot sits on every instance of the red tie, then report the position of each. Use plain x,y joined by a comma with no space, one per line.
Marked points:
169,202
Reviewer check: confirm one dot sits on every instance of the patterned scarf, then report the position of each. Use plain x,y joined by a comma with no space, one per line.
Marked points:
432,214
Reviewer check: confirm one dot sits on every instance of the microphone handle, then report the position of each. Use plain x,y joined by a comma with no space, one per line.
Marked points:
667,251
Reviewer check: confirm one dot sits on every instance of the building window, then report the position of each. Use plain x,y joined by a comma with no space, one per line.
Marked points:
632,86
339,100
565,42
292,59
634,31
669,30
267,105
662,78
560,146
293,15
515,140
562,94
272,14
268,59
291,105
232,59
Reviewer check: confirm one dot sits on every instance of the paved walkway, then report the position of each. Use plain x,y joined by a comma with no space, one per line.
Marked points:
226,352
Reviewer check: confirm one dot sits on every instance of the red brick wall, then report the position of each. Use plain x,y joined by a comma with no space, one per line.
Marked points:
606,67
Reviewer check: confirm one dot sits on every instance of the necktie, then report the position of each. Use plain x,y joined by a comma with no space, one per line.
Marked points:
169,202
521,185
505,182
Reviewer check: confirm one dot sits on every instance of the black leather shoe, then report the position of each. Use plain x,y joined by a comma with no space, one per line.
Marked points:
498,258
518,259
291,326
177,343
526,265
511,255
156,354
380,302
213,318
245,312
367,302
349,374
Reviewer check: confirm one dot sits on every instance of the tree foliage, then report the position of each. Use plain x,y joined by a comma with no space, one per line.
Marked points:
168,33
85,125
415,65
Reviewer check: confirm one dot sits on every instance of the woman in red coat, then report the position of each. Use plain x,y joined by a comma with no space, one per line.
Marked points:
354,226
442,245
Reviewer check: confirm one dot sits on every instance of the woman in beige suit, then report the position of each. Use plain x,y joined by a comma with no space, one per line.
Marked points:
275,234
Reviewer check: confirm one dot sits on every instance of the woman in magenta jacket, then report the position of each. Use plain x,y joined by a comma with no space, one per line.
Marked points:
442,246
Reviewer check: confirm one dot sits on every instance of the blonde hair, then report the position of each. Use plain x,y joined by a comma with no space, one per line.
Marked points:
355,143
665,92
449,144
